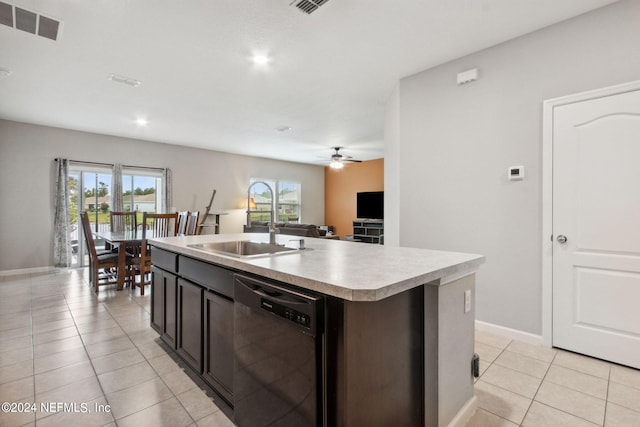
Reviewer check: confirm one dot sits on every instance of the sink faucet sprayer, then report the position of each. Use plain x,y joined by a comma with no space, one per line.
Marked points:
272,225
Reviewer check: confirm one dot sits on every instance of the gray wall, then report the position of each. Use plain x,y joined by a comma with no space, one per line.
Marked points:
27,181
455,143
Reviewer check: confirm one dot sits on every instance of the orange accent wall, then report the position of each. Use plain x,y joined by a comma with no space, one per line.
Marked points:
340,188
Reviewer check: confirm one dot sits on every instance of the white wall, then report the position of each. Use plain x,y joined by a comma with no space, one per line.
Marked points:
391,165
27,181
456,142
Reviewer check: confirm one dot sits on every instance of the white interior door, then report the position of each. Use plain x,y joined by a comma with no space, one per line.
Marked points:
596,206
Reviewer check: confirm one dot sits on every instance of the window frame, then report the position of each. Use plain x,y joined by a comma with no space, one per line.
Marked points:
277,186
160,187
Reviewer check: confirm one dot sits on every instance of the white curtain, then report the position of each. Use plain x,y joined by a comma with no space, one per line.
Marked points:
117,201
167,200
61,248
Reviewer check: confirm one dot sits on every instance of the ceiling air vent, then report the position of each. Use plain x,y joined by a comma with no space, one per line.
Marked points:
26,20
6,14
308,6
31,22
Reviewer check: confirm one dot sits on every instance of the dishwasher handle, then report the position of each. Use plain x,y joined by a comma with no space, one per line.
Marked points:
277,296
304,310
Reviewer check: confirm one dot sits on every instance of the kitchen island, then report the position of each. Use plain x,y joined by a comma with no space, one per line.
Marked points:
395,334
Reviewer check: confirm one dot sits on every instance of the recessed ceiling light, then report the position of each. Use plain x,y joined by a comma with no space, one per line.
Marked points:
260,59
5,72
142,122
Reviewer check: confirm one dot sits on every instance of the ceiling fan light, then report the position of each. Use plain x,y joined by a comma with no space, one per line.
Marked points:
336,164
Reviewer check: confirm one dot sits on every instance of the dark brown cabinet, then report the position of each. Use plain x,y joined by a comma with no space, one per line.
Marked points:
192,309
190,323
164,304
218,343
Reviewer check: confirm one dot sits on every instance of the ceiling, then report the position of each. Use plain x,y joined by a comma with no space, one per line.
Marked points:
329,75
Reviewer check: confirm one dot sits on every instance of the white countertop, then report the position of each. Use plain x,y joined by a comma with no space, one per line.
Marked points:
348,270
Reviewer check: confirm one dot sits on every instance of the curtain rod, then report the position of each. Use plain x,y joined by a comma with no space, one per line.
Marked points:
111,165
143,167
87,163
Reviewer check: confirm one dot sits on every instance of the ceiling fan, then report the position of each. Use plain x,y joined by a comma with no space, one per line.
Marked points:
338,160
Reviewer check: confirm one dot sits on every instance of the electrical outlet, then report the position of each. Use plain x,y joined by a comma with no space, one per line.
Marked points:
467,300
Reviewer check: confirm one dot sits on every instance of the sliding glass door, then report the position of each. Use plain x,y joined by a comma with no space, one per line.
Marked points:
90,191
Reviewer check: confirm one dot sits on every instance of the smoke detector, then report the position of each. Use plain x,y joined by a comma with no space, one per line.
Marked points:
308,6
124,80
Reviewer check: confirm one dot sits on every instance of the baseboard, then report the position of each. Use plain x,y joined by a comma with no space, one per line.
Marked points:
513,334
465,413
34,270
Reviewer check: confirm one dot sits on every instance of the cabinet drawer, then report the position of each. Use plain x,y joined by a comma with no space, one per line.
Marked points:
164,259
210,276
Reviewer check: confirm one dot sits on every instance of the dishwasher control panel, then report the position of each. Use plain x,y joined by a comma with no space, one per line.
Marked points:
286,312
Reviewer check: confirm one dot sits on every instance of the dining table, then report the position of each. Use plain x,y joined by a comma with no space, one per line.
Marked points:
123,240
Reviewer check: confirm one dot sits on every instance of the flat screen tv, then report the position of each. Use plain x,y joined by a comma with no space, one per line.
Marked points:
370,205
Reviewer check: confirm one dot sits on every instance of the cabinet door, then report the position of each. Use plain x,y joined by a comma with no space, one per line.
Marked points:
163,304
190,323
157,299
169,332
218,343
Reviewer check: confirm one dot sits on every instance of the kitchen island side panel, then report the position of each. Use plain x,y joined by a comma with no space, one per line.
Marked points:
379,348
449,350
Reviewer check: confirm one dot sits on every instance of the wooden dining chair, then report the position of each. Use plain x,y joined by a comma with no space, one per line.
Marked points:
181,225
192,225
99,262
162,225
124,221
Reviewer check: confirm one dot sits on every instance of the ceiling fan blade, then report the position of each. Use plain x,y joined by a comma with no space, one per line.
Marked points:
352,160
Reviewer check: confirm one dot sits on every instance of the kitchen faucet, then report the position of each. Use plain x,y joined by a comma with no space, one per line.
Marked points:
272,224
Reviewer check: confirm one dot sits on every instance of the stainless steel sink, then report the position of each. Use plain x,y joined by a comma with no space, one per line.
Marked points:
244,248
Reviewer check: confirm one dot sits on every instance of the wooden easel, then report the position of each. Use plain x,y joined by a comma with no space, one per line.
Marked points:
206,215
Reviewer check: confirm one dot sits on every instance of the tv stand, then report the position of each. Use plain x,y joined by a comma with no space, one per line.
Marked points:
368,230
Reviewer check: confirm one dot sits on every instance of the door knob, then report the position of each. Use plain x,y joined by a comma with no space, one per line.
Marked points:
561,239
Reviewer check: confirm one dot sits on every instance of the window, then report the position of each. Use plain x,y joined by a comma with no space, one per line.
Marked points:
288,206
288,201
142,191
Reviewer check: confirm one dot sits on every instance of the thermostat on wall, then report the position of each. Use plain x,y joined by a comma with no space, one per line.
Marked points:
515,173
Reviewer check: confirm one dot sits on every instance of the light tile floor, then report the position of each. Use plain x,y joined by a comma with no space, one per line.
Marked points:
62,344
527,385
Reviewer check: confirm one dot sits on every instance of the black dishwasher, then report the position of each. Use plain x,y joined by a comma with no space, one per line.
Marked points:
278,355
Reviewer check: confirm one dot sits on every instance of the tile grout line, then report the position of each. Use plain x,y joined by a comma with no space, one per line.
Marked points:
606,399
33,344
533,399
577,391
